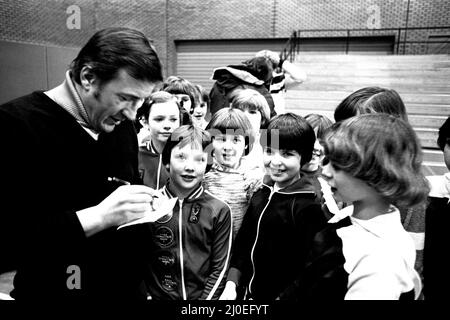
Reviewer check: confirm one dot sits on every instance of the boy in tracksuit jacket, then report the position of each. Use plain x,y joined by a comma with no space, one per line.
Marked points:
191,246
284,249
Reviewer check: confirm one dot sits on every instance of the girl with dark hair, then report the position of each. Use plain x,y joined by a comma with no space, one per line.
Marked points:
371,100
161,114
271,253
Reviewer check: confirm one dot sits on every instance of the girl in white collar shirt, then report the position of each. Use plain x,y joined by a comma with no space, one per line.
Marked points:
373,161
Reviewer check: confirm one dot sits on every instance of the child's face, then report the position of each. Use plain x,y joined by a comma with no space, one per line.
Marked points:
316,158
184,100
187,168
447,163
346,187
162,120
283,166
199,112
447,155
229,149
255,118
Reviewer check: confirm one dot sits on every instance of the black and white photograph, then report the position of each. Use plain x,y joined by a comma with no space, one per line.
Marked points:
261,154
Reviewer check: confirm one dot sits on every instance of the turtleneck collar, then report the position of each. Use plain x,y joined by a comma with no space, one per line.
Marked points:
196,192
67,96
219,167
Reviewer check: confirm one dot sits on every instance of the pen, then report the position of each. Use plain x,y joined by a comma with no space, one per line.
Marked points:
118,180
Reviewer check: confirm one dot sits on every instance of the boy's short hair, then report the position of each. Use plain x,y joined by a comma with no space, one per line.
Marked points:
249,99
444,134
203,93
290,131
185,135
371,100
161,97
177,85
232,121
319,122
381,150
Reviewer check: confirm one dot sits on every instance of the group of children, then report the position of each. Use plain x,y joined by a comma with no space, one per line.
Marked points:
250,221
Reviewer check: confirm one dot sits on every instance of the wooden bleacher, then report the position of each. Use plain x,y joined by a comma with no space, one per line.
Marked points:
423,82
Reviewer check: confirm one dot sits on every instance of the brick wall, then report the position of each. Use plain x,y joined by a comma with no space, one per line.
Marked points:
44,22
40,22
232,19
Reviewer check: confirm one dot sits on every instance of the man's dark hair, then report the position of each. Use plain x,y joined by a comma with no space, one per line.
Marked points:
112,49
177,85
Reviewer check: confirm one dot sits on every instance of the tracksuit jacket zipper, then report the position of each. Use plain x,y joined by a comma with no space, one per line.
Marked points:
272,192
180,235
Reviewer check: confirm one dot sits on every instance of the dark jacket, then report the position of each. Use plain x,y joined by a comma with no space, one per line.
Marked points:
324,277
273,245
436,244
151,169
190,252
52,168
312,176
235,77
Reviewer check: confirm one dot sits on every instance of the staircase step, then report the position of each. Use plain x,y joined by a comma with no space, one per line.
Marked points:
369,80
426,121
333,73
433,155
350,86
433,160
427,136
342,58
434,169
330,105
340,95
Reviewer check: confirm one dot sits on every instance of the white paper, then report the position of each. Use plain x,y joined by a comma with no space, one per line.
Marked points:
343,213
151,216
328,196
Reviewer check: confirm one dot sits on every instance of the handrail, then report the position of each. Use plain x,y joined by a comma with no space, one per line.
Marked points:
292,46
377,29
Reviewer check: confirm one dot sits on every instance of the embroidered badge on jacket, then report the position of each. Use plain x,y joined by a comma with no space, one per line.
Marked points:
195,213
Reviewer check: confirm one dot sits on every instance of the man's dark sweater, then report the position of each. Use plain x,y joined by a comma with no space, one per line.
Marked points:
51,168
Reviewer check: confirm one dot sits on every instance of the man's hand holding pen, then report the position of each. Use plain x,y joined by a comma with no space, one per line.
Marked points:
125,204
